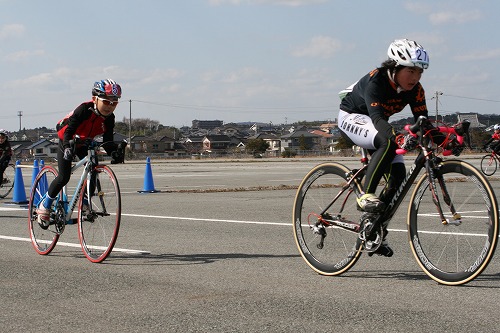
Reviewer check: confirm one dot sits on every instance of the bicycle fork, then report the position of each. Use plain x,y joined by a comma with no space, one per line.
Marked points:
434,172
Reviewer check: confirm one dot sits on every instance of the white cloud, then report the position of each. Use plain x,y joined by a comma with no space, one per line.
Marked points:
11,30
479,55
292,3
459,17
22,55
443,15
319,47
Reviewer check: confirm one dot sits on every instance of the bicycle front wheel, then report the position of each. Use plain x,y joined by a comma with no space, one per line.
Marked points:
99,216
489,164
456,251
322,199
7,183
43,239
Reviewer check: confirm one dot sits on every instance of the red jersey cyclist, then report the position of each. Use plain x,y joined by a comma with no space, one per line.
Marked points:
5,153
364,118
88,120
494,141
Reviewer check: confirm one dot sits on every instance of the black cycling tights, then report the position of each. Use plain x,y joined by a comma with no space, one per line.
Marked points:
380,163
64,170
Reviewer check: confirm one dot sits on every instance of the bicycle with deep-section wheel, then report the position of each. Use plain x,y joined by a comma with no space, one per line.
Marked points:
7,183
98,198
452,218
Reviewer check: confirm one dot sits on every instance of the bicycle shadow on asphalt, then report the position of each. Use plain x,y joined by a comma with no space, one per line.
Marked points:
421,276
179,259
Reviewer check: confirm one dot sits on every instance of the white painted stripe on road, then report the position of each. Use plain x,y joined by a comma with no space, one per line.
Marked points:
201,219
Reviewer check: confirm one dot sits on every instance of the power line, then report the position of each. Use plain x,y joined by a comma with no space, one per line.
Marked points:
473,98
231,108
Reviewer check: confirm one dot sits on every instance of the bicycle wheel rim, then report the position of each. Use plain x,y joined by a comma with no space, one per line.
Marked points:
454,254
9,176
43,240
99,230
489,164
341,248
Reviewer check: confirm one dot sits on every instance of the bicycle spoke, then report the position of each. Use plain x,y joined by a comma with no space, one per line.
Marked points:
458,250
98,227
43,239
325,246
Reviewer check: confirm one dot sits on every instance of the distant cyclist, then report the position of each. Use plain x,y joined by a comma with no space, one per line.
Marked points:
494,141
5,153
88,120
364,119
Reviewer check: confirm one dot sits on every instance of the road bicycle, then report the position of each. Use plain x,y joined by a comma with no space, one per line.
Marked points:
452,218
489,163
7,183
98,197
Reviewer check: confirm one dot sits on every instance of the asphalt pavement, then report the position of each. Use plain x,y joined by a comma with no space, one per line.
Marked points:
213,251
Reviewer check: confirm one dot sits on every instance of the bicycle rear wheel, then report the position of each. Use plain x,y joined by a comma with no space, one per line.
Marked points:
7,183
489,164
43,239
98,225
339,250
457,252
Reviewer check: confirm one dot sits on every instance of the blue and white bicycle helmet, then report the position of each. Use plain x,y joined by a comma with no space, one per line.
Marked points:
408,53
107,88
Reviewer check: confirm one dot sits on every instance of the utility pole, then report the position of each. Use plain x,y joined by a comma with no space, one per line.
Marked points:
20,114
436,97
437,102
130,124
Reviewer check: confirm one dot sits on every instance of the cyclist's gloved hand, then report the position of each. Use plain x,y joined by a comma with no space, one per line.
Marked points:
408,142
117,157
68,154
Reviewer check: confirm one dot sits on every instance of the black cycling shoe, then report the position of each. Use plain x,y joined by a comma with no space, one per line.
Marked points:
383,250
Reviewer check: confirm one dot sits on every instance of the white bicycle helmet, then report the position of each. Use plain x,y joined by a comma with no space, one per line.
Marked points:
408,53
496,127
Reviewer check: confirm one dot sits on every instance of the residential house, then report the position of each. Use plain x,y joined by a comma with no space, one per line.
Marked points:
218,144
326,140
328,127
472,118
273,140
193,144
300,139
42,149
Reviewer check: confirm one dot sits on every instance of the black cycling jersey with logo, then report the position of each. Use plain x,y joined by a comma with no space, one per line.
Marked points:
376,95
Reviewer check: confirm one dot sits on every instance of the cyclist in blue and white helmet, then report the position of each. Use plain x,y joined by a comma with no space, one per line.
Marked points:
89,119
364,119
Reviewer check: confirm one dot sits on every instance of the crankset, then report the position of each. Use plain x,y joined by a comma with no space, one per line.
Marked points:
372,232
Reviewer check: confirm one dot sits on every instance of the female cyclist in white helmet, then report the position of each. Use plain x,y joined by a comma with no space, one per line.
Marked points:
364,118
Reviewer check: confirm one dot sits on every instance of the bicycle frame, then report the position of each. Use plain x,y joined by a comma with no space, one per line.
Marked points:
89,162
425,159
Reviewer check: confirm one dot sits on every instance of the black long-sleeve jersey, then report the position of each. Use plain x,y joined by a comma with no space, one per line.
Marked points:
377,96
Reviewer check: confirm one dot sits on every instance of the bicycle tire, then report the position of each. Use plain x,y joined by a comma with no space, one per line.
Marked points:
99,225
7,183
489,164
43,239
454,254
341,247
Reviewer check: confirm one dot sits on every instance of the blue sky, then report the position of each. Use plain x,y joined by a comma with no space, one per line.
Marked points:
276,61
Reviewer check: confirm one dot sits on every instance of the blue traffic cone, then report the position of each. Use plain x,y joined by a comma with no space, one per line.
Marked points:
19,196
36,169
149,186
44,184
